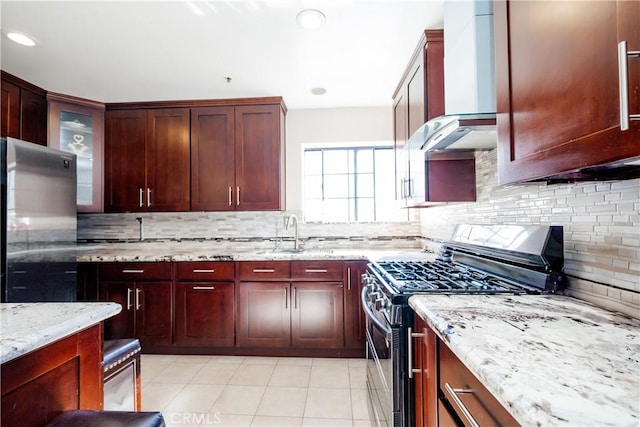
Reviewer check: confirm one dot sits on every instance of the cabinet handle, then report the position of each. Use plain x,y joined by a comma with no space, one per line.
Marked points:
454,396
402,188
410,336
230,196
203,288
295,298
264,270
195,270
133,271
238,196
623,71
141,195
129,291
286,298
315,270
148,197
348,278
138,299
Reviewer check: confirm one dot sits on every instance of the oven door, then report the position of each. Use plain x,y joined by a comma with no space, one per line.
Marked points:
380,382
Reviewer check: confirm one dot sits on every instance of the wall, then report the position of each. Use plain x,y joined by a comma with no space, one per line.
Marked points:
601,223
373,125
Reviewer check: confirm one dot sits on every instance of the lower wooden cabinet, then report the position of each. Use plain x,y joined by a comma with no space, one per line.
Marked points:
204,314
234,307
425,366
145,292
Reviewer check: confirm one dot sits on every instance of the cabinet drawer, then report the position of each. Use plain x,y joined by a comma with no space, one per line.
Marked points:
467,395
132,271
207,271
316,270
264,270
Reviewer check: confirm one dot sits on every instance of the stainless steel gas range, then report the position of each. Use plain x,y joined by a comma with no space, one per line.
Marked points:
477,260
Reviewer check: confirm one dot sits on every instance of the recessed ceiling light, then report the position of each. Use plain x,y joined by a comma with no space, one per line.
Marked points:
21,39
310,19
318,91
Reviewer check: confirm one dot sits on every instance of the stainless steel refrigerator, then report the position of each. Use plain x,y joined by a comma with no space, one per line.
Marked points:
39,225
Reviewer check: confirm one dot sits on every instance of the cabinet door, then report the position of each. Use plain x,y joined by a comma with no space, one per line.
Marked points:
259,157
153,313
424,372
77,127
212,159
124,162
10,104
167,160
204,314
354,318
317,317
122,325
33,117
557,87
264,313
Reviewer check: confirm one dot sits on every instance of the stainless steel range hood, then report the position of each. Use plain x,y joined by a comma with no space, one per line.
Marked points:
469,81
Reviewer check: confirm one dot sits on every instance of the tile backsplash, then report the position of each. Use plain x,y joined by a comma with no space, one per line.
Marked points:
601,222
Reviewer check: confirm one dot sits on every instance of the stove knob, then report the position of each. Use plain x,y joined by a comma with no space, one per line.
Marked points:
381,303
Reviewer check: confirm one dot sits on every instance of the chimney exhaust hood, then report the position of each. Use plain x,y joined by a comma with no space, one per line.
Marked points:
469,82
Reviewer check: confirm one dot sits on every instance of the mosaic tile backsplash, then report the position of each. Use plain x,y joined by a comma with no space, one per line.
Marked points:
601,222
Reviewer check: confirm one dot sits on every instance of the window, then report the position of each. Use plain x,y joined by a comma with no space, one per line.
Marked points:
354,184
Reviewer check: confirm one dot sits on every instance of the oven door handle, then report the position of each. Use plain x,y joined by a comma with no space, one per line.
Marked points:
371,315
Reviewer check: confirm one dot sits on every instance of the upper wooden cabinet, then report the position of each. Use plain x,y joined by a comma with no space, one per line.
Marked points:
77,126
147,160
418,98
24,110
237,157
558,93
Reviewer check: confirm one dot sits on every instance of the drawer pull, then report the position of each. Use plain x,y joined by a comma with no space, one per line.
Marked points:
453,392
315,270
203,288
133,271
264,270
204,271
623,56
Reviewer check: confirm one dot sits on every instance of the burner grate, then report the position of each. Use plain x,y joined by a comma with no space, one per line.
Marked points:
444,276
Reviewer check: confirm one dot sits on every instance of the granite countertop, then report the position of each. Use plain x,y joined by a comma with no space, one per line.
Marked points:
28,326
550,360
209,251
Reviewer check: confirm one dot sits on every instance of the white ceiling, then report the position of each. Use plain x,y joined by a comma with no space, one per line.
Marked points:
113,51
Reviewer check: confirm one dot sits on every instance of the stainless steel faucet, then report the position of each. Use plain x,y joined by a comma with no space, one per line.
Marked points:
287,223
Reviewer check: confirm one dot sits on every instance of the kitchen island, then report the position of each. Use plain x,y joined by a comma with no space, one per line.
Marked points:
549,360
51,356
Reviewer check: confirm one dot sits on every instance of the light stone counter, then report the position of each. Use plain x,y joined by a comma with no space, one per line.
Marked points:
25,327
550,360
210,251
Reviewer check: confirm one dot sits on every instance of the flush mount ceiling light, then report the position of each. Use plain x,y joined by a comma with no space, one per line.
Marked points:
318,91
310,19
21,39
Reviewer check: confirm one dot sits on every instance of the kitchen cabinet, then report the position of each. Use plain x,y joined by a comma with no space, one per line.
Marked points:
24,110
237,157
418,98
464,396
204,304
424,178
297,304
147,160
77,126
424,371
354,318
145,292
558,89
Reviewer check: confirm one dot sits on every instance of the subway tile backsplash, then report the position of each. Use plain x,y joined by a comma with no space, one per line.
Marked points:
601,222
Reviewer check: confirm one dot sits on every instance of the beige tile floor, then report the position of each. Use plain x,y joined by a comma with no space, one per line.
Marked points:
255,391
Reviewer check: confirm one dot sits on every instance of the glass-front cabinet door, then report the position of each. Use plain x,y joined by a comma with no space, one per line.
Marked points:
77,126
